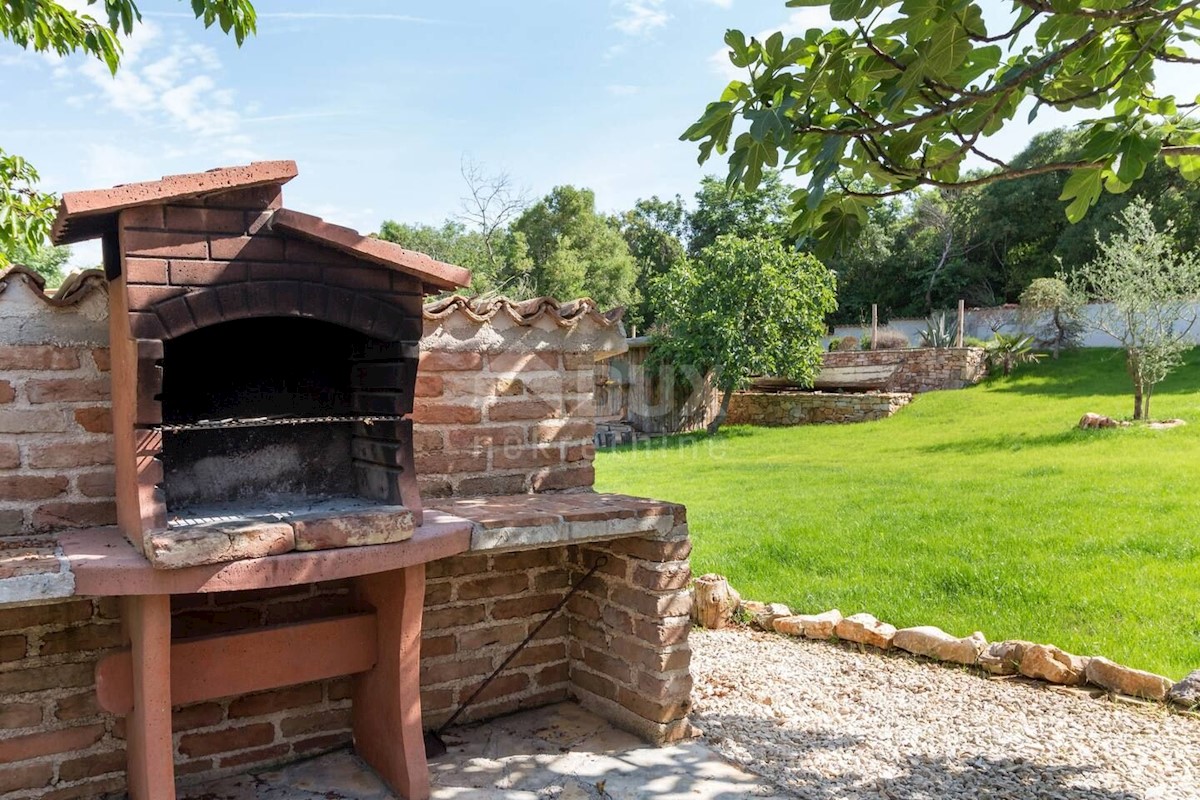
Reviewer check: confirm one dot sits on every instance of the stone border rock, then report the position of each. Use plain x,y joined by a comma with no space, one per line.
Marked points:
1012,657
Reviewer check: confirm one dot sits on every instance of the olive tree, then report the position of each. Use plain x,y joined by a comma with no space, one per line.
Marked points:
743,307
1050,304
1147,289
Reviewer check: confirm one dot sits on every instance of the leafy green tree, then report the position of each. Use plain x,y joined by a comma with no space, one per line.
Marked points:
760,210
46,26
905,92
1149,289
45,261
744,307
572,250
654,230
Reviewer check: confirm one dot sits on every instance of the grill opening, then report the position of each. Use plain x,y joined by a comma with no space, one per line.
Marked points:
281,415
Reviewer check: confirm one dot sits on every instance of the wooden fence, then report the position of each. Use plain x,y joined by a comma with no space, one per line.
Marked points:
667,400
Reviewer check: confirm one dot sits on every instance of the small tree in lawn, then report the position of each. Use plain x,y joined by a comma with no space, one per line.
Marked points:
1053,298
744,307
1147,287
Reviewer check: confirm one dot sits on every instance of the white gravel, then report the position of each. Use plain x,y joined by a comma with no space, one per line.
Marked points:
827,721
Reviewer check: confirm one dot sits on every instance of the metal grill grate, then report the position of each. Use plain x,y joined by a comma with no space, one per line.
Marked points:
263,422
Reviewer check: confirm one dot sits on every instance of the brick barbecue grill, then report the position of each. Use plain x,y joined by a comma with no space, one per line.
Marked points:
257,501
265,364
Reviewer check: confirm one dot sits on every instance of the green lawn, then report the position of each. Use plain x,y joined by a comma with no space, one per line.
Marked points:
979,509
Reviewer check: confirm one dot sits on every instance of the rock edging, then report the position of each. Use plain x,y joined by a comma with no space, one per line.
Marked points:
1011,657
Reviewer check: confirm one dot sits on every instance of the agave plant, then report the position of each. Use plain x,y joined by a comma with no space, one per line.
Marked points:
1007,350
939,331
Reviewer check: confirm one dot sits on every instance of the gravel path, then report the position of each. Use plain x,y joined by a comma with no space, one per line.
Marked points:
829,722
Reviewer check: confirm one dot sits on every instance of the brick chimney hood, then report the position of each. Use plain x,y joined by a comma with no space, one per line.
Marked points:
264,367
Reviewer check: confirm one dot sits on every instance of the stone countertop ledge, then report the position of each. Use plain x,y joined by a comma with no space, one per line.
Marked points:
100,561
528,521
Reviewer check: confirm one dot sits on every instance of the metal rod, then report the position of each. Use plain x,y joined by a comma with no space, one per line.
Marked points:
600,562
263,422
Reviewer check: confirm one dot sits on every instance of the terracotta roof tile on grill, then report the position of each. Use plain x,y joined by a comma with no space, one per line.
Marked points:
524,312
76,287
76,206
369,248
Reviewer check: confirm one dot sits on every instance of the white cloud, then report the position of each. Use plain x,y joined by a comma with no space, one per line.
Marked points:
641,17
166,80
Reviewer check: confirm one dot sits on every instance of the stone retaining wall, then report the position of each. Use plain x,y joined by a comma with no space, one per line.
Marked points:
808,408
922,369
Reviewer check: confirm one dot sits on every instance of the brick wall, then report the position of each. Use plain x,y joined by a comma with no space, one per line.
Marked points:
809,408
921,369
620,647
504,422
55,437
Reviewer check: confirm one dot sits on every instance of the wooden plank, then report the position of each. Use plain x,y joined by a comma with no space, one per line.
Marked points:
239,663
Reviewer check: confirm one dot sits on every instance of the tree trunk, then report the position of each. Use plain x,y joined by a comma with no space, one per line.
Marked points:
1146,402
1135,374
714,602
937,270
722,412
1058,335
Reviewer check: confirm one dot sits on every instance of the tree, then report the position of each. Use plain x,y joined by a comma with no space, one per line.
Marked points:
45,261
492,203
1148,288
744,307
906,92
1051,300
759,211
572,250
654,230
46,26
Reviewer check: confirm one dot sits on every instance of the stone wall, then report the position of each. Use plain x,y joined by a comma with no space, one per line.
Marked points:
808,408
922,369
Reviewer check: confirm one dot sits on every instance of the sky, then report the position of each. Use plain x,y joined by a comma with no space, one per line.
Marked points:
380,101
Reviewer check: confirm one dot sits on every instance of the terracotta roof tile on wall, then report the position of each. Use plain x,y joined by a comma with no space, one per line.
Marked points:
75,288
524,312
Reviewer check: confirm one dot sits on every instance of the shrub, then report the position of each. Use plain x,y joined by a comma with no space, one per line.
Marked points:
973,341
1008,350
888,340
847,343
833,344
939,331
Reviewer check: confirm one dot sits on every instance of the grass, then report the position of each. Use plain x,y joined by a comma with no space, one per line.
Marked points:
978,509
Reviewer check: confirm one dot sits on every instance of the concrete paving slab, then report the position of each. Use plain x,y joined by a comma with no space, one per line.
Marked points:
559,752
